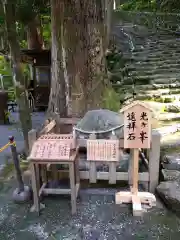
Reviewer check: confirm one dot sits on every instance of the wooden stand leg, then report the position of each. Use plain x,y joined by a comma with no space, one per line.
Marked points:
77,177
73,187
135,170
37,169
134,196
36,206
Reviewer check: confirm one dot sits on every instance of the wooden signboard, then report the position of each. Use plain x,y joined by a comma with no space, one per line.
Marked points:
137,126
68,138
103,150
50,150
137,134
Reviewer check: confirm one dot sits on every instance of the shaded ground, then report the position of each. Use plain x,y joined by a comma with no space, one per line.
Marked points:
14,130
98,218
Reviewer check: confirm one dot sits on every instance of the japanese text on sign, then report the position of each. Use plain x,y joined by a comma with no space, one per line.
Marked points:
137,127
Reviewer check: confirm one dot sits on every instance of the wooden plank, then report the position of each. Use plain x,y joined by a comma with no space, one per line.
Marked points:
56,191
135,170
154,161
92,172
49,128
68,121
36,203
130,169
77,189
42,189
37,169
73,187
126,197
120,176
32,136
44,173
123,197
102,150
112,173
136,206
83,143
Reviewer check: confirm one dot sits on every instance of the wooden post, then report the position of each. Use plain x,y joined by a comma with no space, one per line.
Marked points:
92,165
36,206
32,136
112,166
16,165
73,187
130,170
137,135
154,161
135,170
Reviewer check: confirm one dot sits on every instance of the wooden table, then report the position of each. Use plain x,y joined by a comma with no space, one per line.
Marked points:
39,158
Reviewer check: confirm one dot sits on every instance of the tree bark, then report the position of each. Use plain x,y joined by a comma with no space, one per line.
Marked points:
87,53
34,34
21,93
58,100
78,56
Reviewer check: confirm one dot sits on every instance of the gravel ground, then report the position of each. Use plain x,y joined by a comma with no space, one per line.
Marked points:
97,218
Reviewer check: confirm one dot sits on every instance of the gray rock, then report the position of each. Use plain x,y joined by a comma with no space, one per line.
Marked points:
169,192
101,122
171,175
172,108
171,162
22,197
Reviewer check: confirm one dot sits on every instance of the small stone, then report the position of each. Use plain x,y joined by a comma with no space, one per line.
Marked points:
169,192
171,175
171,162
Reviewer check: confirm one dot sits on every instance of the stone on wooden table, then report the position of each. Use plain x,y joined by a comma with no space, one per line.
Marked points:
101,122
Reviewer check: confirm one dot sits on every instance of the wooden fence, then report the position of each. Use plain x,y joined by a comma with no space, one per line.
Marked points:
151,158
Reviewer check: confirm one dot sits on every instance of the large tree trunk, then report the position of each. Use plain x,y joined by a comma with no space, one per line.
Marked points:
58,100
34,34
78,31
87,53
21,93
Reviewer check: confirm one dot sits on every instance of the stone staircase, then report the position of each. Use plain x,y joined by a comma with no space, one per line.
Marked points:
152,60
151,69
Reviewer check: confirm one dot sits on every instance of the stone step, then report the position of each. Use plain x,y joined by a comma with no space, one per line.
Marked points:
155,58
147,67
155,71
158,52
167,77
143,87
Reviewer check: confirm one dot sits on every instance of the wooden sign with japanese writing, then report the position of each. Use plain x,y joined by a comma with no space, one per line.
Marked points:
137,125
68,138
102,150
50,150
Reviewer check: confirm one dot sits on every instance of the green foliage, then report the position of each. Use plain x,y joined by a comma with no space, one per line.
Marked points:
170,5
5,68
151,5
168,100
139,5
26,10
111,100
46,24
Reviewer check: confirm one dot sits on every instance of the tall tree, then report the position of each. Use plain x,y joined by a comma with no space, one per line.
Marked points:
58,95
28,12
80,23
21,93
